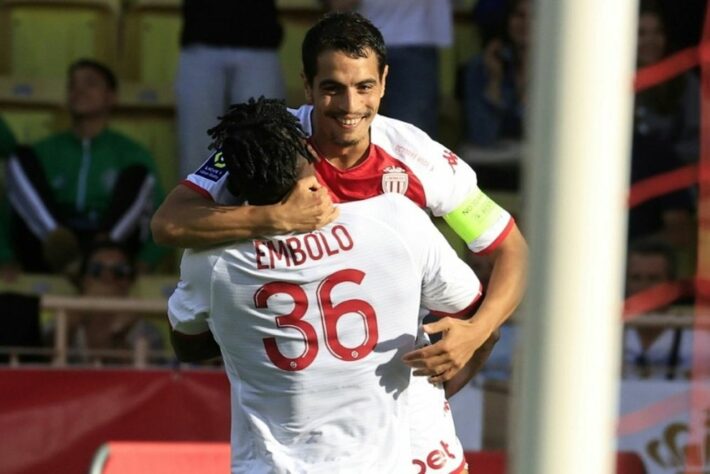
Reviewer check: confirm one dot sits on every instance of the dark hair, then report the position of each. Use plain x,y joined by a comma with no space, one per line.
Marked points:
102,69
347,32
260,142
649,246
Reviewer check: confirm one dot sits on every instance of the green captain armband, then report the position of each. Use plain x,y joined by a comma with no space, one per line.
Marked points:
474,216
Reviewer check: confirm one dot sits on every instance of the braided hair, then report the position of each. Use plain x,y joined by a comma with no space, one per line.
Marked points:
260,141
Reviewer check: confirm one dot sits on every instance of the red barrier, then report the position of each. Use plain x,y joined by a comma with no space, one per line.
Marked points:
55,420
495,462
162,458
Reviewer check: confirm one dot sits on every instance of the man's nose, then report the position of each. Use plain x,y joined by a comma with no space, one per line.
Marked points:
349,100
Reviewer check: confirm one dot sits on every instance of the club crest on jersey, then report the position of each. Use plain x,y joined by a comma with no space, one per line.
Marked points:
394,180
214,168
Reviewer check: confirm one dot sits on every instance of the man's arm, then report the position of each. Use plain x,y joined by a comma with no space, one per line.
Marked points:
460,339
186,219
194,347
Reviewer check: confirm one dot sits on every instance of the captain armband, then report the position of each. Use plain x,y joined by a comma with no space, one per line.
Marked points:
474,216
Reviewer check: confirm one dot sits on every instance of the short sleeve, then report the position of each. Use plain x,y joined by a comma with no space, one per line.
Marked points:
189,305
449,184
210,180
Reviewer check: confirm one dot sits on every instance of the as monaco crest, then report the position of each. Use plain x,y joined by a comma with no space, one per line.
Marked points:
394,180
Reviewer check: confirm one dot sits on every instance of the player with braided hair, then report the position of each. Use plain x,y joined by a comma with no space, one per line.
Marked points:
254,122
312,326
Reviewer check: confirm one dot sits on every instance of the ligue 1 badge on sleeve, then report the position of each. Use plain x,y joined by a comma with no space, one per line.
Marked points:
214,168
394,180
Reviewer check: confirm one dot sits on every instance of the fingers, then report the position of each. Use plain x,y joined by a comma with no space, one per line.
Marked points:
436,327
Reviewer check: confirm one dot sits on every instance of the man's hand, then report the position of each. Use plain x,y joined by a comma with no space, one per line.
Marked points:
475,364
441,361
306,208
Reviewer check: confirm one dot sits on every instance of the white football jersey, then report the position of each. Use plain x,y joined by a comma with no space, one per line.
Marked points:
314,326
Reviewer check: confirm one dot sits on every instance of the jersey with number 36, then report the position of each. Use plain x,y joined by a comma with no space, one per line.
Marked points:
314,327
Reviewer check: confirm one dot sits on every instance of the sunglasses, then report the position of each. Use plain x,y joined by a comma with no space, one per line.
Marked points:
119,271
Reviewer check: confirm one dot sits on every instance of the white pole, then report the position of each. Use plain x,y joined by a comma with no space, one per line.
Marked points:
579,129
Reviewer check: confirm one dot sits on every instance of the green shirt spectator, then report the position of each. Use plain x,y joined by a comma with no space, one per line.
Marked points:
85,184
7,139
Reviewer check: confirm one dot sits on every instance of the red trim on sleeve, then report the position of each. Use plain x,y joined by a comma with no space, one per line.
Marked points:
494,245
464,312
198,189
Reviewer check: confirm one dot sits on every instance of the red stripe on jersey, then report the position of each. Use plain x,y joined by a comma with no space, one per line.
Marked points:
197,189
494,245
378,173
464,312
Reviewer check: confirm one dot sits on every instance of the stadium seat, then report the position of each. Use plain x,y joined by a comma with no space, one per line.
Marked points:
495,462
161,458
146,114
150,44
39,38
33,108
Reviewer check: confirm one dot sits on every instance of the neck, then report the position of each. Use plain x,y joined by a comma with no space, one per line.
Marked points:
342,157
89,127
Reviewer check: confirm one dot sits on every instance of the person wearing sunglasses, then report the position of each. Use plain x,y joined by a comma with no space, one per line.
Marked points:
108,270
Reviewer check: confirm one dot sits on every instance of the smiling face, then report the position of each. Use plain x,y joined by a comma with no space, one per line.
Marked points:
346,93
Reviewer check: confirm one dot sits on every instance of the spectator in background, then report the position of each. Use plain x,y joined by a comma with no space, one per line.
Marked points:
495,82
669,216
81,183
108,271
229,54
654,352
669,111
414,30
7,140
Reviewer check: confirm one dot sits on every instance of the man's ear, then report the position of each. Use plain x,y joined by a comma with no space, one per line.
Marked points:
384,80
307,88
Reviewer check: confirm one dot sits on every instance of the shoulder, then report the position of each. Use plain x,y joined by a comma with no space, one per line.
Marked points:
405,141
390,210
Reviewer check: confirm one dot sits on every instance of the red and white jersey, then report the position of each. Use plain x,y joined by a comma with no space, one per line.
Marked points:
402,159
313,326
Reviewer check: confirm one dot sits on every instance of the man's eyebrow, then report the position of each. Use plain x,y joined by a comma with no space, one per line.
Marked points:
330,83
334,83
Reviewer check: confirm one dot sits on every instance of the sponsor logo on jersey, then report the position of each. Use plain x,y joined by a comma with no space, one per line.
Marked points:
394,180
452,159
214,168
